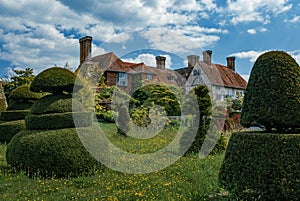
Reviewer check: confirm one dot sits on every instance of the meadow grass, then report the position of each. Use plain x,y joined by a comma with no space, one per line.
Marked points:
189,178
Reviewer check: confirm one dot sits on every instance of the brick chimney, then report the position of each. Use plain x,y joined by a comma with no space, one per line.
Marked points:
161,62
231,63
85,48
192,59
207,57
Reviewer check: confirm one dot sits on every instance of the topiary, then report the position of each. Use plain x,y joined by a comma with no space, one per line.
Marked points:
262,166
273,93
9,129
55,80
58,153
23,94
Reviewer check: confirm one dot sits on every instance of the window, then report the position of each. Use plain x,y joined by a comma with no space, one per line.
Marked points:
122,79
149,77
196,72
171,77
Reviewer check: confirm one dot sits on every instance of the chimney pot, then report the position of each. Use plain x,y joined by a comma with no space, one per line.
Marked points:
231,63
85,48
207,57
161,62
192,59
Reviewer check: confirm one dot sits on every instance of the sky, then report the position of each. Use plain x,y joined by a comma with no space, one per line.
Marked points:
43,33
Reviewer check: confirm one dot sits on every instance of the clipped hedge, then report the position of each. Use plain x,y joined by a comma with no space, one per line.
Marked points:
262,166
12,115
59,103
58,120
15,105
10,129
55,80
58,153
23,93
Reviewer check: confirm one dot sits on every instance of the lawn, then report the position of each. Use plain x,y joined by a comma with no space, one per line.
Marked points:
187,179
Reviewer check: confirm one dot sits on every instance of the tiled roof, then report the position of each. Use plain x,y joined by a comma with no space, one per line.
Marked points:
218,75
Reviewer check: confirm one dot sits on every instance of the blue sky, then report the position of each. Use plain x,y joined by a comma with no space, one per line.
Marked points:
43,33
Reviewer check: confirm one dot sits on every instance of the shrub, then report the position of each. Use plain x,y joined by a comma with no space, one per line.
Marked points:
262,166
58,120
55,80
204,104
23,94
55,104
10,129
12,115
15,105
57,153
109,116
273,92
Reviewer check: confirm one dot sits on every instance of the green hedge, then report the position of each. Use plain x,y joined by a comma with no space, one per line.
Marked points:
58,120
12,115
262,166
59,103
24,94
15,105
50,153
55,80
10,129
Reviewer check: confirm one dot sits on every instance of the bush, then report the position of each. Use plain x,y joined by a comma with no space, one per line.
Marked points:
10,129
55,80
109,116
59,103
58,120
15,105
204,104
273,92
262,166
12,115
57,153
23,94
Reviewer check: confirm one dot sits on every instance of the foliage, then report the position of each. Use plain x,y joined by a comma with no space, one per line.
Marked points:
23,94
15,105
103,100
59,103
10,129
47,153
109,116
204,104
55,80
123,119
58,120
158,94
19,78
12,115
3,103
262,166
273,92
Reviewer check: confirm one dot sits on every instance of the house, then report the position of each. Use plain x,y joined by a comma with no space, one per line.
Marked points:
223,81
127,76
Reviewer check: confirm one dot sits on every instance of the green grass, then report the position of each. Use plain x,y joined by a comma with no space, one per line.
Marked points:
187,179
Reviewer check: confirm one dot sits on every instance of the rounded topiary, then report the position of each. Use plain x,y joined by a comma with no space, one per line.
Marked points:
9,129
59,103
48,153
55,80
23,94
273,93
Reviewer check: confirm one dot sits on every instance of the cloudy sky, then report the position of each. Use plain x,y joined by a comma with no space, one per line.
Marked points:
43,33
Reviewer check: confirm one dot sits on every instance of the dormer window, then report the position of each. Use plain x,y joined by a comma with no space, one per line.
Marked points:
149,77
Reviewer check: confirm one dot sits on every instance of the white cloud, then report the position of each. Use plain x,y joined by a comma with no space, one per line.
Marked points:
295,19
256,10
251,55
251,31
149,60
246,77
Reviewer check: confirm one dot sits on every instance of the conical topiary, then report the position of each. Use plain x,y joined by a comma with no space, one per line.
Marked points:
273,93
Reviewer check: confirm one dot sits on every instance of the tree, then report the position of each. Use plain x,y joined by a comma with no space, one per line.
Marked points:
19,78
272,96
